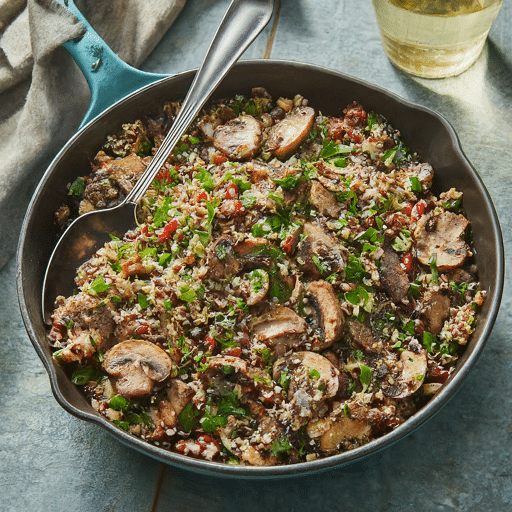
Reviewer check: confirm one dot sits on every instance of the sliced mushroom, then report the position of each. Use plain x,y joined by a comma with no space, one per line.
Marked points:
393,277
285,136
255,286
279,327
363,335
179,395
238,364
220,258
436,309
240,138
138,365
323,298
312,379
324,201
333,432
319,253
440,234
414,368
126,171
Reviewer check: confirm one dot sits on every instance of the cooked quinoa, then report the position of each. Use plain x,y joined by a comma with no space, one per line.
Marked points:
293,289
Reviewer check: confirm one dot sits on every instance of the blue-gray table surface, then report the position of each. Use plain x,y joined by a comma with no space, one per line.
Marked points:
459,460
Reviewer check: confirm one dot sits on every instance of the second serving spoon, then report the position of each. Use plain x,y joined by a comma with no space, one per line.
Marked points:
243,21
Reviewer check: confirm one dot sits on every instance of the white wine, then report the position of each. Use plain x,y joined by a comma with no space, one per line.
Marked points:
434,38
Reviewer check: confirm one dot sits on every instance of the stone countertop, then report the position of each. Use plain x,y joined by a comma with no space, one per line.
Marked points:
459,460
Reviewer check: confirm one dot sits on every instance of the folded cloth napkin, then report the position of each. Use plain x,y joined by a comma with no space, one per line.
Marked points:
43,95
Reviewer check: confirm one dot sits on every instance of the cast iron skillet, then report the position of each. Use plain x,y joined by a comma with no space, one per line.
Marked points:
329,92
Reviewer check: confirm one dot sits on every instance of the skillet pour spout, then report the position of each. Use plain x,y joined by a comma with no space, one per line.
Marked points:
424,131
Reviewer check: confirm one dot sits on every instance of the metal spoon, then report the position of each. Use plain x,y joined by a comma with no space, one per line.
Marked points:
243,21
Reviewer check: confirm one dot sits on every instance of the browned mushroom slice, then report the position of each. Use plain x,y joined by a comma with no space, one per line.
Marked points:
324,201
414,368
363,335
333,432
436,309
240,138
323,298
319,253
440,234
312,379
220,258
393,277
179,395
287,135
137,365
279,326
255,286
127,170
238,364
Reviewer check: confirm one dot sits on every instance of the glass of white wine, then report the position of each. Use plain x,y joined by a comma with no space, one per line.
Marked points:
434,38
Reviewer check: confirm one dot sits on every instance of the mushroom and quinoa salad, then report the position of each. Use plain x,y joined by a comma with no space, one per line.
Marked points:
293,289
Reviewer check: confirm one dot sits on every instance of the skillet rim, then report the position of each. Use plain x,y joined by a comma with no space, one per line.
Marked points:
225,470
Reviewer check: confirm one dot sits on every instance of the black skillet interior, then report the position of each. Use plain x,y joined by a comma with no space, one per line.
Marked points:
328,92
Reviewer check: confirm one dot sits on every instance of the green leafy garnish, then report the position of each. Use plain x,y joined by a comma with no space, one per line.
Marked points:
142,300
206,179
188,417
314,374
211,423
229,404
429,340
433,268
415,184
119,403
187,294
83,375
366,376
290,182
77,188
98,286
280,447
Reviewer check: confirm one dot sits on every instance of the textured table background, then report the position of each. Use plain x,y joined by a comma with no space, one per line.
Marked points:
460,460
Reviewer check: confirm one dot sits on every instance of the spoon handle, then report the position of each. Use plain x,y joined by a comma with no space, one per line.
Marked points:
243,21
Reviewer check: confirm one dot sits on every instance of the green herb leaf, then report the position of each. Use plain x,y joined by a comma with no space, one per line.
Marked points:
415,184
314,374
433,268
83,375
188,417
187,294
429,340
229,404
98,286
206,179
290,182
366,376
280,447
211,423
165,259
330,149
119,403
142,300
284,379
77,188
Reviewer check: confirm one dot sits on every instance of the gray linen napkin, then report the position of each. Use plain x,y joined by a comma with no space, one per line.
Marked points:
43,95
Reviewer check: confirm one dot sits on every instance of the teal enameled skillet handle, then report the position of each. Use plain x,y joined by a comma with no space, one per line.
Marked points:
110,78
